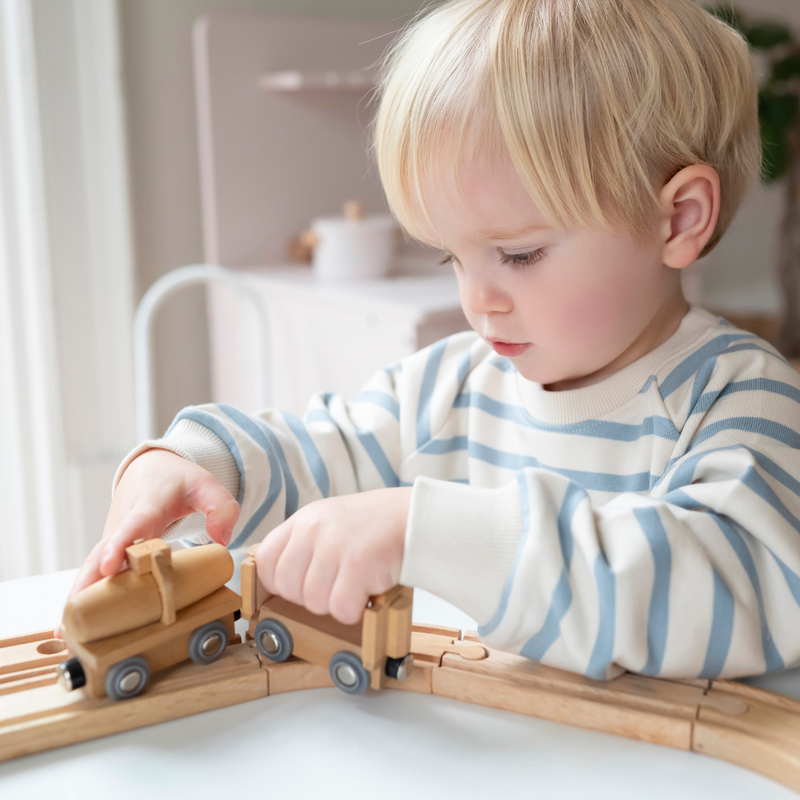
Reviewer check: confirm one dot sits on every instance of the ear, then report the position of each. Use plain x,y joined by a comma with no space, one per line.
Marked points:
690,210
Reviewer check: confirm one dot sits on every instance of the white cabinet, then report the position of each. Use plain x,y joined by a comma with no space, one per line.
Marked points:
325,337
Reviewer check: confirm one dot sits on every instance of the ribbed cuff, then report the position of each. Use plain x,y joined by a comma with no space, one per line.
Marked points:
461,542
198,444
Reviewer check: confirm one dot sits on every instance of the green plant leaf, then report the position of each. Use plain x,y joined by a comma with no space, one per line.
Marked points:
727,13
776,153
778,110
786,68
766,35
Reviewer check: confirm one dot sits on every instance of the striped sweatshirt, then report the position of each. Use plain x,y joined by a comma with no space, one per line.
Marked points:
649,522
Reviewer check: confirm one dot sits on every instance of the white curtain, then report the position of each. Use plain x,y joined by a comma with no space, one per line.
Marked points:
66,397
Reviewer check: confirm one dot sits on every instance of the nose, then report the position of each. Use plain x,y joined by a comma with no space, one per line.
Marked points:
480,296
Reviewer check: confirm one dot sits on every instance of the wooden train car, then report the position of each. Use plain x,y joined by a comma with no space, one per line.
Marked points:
357,656
166,608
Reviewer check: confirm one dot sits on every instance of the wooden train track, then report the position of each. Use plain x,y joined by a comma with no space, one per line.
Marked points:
734,722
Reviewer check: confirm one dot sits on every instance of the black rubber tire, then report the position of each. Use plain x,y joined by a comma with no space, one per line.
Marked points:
120,671
362,677
200,635
281,633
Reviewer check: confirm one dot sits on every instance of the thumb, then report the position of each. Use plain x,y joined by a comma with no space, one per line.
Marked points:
211,498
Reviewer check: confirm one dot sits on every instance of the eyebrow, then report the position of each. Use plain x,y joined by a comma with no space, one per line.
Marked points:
507,233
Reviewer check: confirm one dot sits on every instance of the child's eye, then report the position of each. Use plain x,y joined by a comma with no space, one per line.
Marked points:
519,259
522,259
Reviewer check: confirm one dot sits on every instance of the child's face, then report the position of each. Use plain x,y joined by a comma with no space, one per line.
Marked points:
588,304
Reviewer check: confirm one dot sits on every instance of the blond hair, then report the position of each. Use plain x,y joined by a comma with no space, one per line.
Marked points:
598,103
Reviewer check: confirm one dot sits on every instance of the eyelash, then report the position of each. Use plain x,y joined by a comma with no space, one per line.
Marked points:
517,259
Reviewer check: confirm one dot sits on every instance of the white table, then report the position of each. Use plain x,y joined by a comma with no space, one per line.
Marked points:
323,743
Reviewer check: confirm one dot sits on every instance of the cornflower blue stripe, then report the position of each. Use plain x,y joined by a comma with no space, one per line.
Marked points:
268,442
275,477
536,647
603,651
690,365
463,368
791,578
320,415
759,486
503,364
215,425
378,457
685,473
754,481
740,347
435,355
764,427
771,655
312,455
491,625
652,379
719,640
379,399
662,427
754,384
701,380
370,444
292,493
658,615
392,368
601,481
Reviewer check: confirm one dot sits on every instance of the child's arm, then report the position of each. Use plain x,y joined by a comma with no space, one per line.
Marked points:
274,463
698,577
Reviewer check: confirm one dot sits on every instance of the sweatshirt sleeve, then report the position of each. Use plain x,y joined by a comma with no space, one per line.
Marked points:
700,576
274,462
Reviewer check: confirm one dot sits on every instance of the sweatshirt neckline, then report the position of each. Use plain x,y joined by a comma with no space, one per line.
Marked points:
579,405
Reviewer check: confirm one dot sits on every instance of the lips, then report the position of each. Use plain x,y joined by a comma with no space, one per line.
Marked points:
509,349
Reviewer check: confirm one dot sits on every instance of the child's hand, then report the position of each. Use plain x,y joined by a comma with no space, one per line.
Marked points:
332,554
156,489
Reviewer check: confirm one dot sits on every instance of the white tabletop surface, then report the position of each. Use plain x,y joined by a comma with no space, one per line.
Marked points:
323,743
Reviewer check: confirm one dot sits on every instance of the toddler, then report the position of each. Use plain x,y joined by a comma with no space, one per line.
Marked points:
603,476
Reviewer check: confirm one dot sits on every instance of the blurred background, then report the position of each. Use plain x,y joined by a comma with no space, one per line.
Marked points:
139,136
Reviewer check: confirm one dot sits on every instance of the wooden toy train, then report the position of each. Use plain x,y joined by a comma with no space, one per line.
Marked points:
169,607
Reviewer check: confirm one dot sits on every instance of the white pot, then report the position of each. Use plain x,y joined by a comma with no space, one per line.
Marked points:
354,249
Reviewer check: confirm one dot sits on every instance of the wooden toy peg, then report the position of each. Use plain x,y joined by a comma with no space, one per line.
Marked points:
155,556
254,595
398,634
140,554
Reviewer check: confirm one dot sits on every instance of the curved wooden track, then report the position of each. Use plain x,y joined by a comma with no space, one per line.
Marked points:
755,729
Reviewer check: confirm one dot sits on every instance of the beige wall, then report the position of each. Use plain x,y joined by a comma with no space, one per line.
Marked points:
165,185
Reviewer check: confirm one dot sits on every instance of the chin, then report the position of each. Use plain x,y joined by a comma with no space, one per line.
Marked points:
543,376
537,375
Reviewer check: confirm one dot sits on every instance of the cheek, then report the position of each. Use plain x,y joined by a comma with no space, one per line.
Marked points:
598,309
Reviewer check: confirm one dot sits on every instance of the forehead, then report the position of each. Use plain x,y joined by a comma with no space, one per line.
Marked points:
481,200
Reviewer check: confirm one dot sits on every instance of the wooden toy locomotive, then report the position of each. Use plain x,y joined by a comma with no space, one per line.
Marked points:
172,606
166,608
